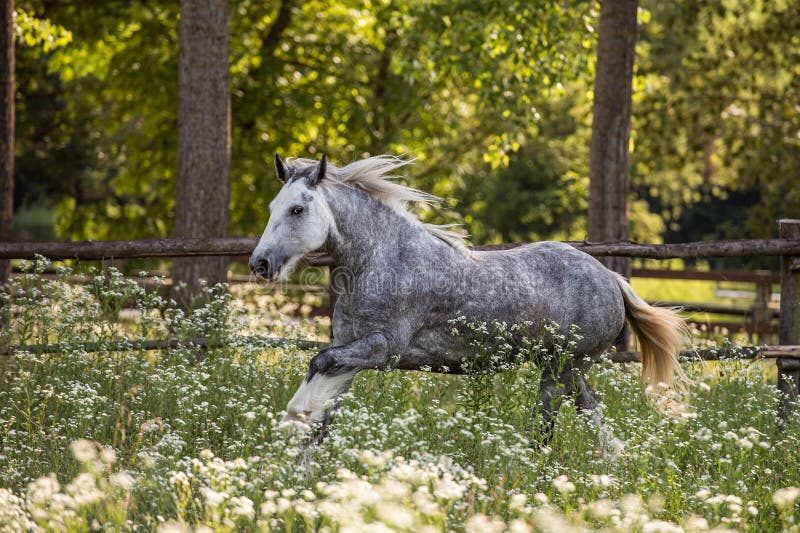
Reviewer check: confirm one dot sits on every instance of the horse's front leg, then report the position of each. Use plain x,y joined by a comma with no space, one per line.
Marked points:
330,374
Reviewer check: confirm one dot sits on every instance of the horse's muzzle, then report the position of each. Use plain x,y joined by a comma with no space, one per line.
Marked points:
263,267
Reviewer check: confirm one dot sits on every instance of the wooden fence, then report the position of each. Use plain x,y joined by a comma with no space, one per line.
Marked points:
757,319
787,246
238,246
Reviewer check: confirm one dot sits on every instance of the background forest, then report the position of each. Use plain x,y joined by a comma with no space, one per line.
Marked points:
492,97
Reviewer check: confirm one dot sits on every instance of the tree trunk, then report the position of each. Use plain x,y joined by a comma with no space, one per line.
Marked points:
609,166
789,369
6,130
203,187
609,158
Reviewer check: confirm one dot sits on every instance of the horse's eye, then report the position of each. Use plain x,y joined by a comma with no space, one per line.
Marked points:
296,210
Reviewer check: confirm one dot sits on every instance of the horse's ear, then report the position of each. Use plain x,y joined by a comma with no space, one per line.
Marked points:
281,169
318,174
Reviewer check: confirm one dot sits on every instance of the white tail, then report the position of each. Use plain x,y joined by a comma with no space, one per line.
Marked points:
660,332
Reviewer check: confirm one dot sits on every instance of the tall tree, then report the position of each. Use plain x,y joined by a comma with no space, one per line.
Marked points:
203,185
609,157
6,128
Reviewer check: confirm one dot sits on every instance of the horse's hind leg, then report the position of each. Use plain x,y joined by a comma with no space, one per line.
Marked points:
552,389
586,401
571,382
585,395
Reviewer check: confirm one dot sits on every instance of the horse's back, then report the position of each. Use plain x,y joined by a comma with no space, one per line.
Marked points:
552,282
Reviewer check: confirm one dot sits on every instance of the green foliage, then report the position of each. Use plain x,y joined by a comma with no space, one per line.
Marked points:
546,180
349,79
714,119
39,33
493,99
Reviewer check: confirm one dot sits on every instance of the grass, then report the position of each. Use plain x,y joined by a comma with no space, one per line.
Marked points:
157,440
705,292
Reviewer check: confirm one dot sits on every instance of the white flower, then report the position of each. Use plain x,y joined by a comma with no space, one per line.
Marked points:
423,501
242,506
108,456
517,501
448,489
213,498
43,488
784,498
519,526
563,485
660,526
122,480
547,519
602,480
84,490
601,509
83,450
151,425
174,527
283,505
268,508
631,504
480,523
696,523
12,513
370,458
395,515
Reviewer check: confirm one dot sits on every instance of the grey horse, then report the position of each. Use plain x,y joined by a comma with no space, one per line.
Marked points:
401,283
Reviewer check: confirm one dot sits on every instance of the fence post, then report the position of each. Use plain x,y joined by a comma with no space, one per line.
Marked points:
789,369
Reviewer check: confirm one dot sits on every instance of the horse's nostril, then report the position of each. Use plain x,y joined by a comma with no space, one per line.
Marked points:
259,266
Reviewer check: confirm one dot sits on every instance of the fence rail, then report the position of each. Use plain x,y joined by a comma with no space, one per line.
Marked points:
237,246
139,249
711,354
158,344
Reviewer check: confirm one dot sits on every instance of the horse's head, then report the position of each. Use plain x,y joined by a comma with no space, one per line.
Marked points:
299,222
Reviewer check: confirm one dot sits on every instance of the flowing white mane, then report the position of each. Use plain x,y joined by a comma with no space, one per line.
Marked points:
375,175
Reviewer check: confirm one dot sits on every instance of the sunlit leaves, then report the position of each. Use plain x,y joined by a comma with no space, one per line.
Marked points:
39,32
446,83
714,117
467,87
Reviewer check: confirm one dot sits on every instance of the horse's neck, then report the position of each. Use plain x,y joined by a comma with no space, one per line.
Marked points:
368,232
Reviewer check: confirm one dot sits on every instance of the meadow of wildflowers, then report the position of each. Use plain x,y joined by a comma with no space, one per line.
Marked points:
191,440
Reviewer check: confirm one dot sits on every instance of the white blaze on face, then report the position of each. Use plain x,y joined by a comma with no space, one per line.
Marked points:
311,399
299,223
